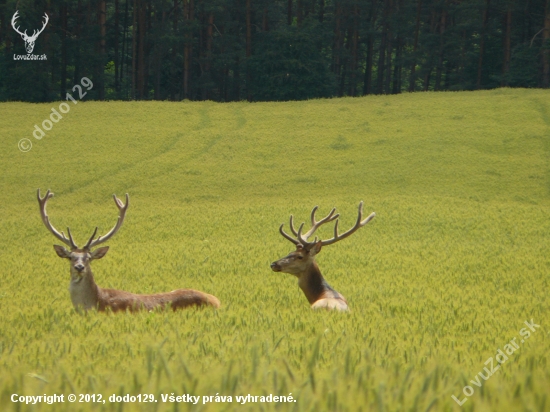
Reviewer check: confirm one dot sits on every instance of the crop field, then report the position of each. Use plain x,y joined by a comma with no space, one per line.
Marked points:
439,284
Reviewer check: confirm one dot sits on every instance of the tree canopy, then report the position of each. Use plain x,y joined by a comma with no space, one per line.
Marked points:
231,50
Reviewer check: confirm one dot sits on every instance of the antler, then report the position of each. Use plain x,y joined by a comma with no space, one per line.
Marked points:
35,32
122,209
61,236
15,16
302,239
314,225
359,223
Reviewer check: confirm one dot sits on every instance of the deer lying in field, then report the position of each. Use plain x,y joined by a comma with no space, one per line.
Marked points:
86,294
301,263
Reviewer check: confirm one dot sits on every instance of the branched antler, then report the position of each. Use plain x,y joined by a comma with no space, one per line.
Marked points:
302,239
91,242
61,236
122,209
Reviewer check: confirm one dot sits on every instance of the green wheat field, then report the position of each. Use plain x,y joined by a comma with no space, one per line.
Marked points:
456,260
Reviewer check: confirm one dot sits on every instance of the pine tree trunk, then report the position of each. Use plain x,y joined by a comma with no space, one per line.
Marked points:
546,47
189,12
412,78
265,21
383,49
248,51
439,69
482,44
367,81
507,46
208,61
124,49
147,9
174,55
2,26
158,54
47,46
63,83
354,51
396,84
427,78
289,12
345,63
117,68
462,64
336,69
381,66
389,54
237,80
3,34
429,59
134,49
78,30
102,16
141,51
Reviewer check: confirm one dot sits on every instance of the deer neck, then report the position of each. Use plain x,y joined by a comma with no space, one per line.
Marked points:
84,291
314,285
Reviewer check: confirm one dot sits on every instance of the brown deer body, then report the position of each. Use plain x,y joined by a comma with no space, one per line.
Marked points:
301,263
86,294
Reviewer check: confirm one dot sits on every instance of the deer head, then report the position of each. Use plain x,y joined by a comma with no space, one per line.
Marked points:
301,262
81,257
29,40
306,251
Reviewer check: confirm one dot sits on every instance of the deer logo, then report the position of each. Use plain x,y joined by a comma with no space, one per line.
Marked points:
29,40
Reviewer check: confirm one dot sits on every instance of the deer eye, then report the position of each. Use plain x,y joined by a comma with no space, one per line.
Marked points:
300,257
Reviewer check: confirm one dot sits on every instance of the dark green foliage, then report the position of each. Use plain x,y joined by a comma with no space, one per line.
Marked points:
231,50
289,64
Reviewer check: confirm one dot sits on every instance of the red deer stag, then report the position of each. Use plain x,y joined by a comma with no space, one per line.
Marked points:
301,263
86,294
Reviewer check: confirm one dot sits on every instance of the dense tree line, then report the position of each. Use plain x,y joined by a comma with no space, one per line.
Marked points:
228,50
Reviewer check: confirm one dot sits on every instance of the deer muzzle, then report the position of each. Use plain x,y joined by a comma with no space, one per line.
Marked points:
275,267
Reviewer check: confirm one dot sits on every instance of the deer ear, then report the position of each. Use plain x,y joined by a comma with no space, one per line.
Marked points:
316,248
99,253
62,252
